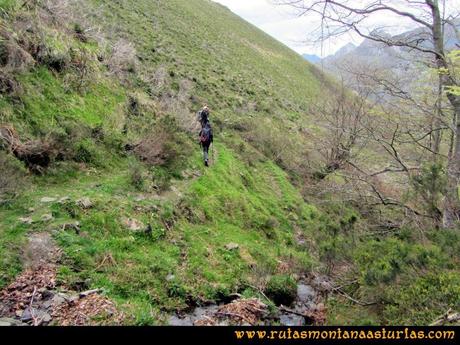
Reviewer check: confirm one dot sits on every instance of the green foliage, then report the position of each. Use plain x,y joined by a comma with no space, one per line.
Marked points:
86,151
13,177
423,299
7,6
137,177
383,261
281,289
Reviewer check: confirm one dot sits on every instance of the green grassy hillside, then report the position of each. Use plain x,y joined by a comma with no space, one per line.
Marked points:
87,81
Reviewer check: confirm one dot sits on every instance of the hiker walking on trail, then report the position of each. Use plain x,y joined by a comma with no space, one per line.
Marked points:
206,139
203,116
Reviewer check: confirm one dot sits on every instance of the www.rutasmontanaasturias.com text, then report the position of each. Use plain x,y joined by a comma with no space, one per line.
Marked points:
383,334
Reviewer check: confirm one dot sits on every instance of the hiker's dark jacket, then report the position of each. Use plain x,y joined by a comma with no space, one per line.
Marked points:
203,117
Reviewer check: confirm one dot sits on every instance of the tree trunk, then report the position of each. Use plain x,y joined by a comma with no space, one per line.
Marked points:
451,210
451,207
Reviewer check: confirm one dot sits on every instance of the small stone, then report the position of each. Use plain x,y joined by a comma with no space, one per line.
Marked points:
59,299
47,200
140,198
31,210
170,277
47,217
26,220
47,294
305,293
63,199
72,226
232,246
72,299
85,203
133,224
43,316
26,315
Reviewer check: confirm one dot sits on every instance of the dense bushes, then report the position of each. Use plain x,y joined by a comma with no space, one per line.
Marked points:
382,261
12,177
165,146
423,299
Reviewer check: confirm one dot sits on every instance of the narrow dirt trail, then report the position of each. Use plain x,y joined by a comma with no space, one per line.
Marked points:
178,188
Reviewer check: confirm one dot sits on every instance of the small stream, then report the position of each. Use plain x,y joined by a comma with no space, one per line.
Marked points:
307,300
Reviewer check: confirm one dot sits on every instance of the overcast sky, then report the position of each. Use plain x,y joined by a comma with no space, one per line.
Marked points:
282,23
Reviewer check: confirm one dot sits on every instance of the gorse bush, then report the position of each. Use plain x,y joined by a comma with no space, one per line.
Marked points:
423,298
382,261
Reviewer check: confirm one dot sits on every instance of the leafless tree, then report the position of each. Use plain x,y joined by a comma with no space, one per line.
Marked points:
342,16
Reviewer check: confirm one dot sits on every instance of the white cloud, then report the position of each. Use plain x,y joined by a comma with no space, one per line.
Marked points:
281,23
296,32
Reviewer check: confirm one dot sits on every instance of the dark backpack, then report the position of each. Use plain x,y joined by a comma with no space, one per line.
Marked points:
206,134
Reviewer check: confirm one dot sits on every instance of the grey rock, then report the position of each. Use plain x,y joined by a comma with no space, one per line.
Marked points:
292,320
63,199
177,321
232,246
305,293
43,316
56,301
72,299
47,200
170,277
133,224
84,203
72,226
26,315
47,294
47,217
26,220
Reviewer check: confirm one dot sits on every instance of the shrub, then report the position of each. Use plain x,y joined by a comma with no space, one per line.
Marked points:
86,151
282,289
165,146
123,58
12,177
137,177
381,262
81,69
13,58
423,299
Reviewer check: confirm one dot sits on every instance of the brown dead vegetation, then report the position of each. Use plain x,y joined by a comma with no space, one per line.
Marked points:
36,154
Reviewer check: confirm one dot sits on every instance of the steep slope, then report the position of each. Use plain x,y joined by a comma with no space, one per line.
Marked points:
98,148
91,79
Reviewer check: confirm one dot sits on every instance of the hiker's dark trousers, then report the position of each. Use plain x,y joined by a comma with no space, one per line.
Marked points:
206,151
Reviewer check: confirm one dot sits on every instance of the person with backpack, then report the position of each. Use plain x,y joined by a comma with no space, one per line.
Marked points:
206,139
203,115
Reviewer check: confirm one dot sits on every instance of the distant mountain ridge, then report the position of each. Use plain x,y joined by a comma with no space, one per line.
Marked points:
311,58
381,52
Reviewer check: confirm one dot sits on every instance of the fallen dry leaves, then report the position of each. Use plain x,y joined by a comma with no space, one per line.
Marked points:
18,295
91,310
